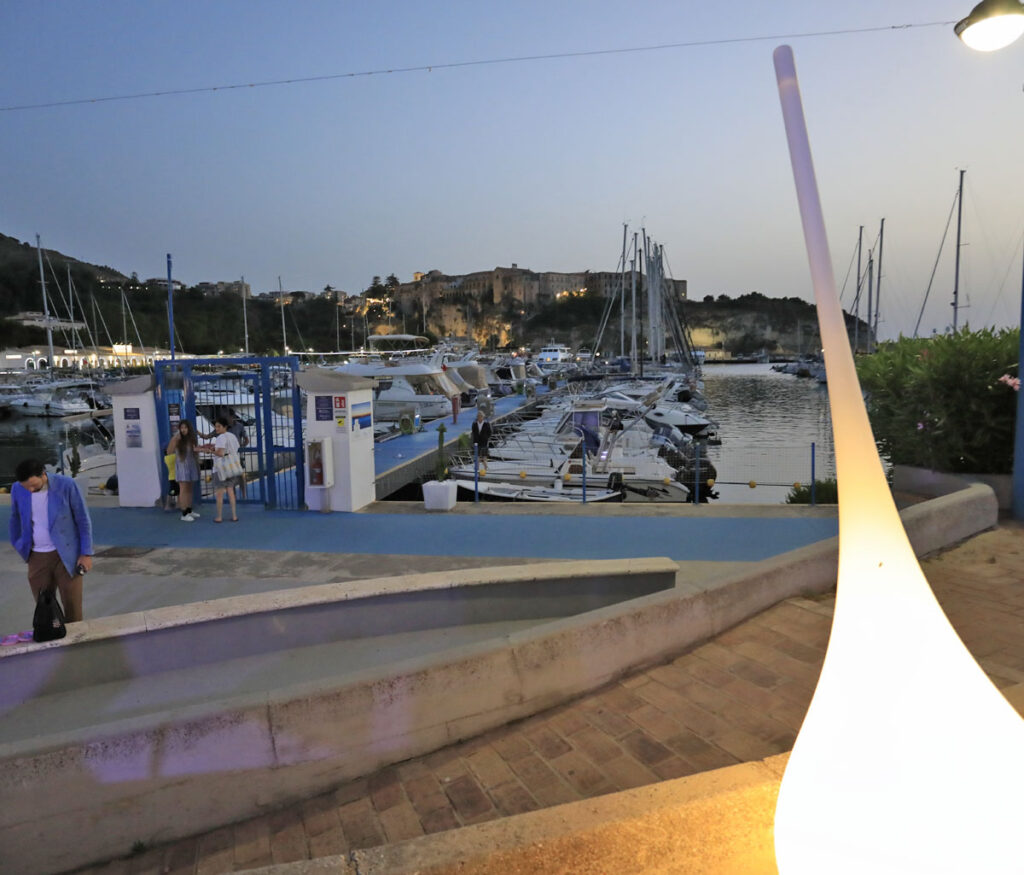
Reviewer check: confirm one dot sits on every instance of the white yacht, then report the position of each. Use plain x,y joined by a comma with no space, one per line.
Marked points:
403,388
555,353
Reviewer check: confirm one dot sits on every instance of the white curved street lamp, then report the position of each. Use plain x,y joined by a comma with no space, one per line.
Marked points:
992,24
909,760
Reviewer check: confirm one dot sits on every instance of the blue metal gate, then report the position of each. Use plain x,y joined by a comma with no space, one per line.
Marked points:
262,395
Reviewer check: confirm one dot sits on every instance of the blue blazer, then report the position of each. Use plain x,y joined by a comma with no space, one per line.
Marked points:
70,526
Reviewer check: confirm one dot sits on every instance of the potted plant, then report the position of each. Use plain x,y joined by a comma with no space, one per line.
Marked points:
440,493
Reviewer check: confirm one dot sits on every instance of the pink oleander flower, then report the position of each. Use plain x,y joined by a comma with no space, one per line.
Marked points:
1012,382
920,426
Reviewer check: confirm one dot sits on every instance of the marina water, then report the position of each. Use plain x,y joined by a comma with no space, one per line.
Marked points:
767,422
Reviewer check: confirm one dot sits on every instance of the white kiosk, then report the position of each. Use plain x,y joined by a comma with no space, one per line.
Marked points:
338,440
136,442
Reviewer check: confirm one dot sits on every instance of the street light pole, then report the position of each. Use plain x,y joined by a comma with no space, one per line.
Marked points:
992,25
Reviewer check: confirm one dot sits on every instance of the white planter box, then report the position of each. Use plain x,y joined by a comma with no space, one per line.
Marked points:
439,494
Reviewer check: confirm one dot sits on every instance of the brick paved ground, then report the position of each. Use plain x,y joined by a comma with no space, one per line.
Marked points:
739,697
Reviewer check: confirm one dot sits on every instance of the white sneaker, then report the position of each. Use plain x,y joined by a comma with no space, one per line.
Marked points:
188,518
193,514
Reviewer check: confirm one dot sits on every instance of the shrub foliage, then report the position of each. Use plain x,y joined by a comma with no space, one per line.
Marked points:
939,403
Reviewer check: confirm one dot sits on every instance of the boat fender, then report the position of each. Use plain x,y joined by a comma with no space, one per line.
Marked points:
615,481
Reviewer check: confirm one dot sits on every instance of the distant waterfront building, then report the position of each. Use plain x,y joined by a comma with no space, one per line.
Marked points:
211,289
529,288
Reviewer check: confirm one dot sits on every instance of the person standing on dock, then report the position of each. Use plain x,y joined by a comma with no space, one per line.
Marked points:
237,428
185,447
481,434
51,530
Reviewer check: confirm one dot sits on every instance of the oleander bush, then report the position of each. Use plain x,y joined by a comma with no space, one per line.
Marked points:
947,402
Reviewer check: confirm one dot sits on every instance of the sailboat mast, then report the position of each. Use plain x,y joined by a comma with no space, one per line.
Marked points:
856,298
622,296
871,277
170,305
956,275
245,318
284,335
632,273
878,285
46,306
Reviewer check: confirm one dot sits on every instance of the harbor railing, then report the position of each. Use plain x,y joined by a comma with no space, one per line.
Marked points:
775,465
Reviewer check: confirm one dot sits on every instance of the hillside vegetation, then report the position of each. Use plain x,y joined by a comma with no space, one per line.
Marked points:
204,325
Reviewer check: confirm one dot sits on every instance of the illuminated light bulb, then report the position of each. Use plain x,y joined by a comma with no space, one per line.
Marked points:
909,760
992,25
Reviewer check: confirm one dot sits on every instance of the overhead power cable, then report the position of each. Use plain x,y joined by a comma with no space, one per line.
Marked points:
452,65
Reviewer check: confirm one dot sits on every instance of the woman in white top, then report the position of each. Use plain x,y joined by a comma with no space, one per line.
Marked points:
224,444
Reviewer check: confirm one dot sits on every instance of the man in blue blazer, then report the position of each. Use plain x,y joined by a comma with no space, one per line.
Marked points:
51,530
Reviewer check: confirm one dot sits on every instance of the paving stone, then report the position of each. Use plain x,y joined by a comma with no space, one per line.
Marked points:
328,843
610,721
360,825
700,752
626,773
548,743
216,853
512,798
401,822
654,722
674,767
568,721
543,783
582,775
644,748
319,814
754,671
468,800
287,836
489,767
352,790
181,858
598,746
425,794
252,840
512,745
385,789
439,820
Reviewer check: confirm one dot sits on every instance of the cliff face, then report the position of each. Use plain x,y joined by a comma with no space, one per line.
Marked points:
722,326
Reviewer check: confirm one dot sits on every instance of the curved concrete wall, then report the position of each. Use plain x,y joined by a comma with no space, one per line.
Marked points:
214,765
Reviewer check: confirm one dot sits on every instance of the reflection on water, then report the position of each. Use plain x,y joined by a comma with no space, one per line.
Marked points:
767,423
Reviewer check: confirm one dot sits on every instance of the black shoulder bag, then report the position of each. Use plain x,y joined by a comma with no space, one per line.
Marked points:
48,620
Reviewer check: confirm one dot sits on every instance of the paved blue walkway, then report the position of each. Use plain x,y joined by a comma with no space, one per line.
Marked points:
542,536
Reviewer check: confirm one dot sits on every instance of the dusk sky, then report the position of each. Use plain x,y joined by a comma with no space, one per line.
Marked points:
534,162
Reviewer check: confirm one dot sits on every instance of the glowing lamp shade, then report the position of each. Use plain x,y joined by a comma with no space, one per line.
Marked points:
909,760
992,25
